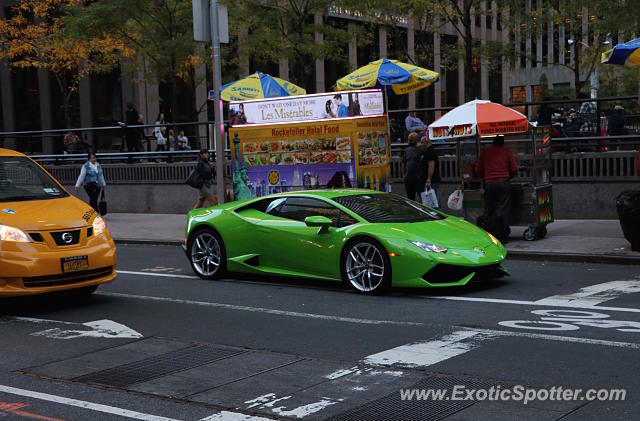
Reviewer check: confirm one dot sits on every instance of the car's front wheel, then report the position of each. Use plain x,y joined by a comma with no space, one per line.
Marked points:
366,266
206,254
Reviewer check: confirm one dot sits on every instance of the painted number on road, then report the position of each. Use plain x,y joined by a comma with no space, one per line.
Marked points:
564,320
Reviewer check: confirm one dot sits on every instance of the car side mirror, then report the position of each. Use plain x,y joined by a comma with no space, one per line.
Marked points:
319,221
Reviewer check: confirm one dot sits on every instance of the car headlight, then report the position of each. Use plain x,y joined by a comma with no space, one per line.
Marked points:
13,234
429,247
99,226
494,239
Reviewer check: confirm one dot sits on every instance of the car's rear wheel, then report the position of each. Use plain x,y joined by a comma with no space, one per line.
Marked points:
207,254
366,266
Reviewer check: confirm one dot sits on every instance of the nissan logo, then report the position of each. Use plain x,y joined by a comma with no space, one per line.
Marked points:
67,238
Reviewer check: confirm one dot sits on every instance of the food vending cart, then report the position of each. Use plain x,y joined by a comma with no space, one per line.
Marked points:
532,197
308,142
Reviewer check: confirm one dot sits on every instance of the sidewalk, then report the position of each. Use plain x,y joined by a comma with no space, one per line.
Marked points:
583,240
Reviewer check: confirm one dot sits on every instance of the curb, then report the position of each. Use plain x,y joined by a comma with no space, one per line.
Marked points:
511,254
573,257
132,241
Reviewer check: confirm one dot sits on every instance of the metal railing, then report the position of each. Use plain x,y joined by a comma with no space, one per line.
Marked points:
580,167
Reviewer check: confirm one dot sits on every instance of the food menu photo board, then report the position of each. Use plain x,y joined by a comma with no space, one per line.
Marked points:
317,154
372,165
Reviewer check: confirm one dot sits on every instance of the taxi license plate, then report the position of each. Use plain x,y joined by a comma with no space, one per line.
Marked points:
74,264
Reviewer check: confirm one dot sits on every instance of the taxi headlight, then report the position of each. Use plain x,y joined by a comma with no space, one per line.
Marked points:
13,234
99,226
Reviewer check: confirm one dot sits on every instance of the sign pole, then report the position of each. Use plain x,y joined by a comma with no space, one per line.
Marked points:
217,103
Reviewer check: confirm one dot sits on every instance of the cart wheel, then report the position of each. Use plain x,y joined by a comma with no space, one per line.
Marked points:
541,231
530,234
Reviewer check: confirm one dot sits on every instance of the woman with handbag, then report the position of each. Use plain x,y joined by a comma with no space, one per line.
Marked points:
92,178
205,175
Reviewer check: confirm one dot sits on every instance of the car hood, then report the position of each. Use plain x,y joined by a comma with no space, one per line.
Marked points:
451,232
44,215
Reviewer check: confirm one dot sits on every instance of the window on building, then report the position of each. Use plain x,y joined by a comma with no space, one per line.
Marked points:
518,95
336,65
495,82
397,44
368,44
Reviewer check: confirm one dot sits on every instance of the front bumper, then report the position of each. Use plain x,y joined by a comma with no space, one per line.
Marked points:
456,267
33,268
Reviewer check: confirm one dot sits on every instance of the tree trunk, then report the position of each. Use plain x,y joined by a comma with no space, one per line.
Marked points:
576,69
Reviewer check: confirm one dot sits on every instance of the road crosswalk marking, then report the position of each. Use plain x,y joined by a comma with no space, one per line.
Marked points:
594,294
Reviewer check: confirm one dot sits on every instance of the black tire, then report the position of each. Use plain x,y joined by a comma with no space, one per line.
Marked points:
207,234
377,286
530,234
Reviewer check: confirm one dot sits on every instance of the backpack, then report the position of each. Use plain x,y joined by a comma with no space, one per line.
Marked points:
194,179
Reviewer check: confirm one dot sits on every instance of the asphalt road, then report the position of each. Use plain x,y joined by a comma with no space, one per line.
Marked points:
162,343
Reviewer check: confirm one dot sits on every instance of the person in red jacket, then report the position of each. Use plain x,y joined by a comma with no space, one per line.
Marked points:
497,166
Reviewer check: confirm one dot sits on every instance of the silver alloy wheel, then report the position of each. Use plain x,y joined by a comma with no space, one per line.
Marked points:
206,254
365,267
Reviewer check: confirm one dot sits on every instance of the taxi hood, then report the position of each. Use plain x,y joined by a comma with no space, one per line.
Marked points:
44,215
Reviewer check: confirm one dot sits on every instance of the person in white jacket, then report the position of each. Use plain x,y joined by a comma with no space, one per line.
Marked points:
160,131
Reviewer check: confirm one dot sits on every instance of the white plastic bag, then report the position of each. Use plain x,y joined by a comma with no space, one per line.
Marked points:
455,200
429,198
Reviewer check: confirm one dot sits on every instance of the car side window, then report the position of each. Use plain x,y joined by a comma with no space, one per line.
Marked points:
298,208
275,206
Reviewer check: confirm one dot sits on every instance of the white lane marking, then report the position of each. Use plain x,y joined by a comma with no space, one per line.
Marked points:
527,303
269,400
594,294
161,275
99,329
304,410
572,339
233,416
83,404
423,354
572,320
262,310
342,373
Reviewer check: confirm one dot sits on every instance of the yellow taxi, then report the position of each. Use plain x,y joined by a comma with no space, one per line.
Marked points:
49,239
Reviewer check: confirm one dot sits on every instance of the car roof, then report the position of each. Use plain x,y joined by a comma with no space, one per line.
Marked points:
327,193
9,152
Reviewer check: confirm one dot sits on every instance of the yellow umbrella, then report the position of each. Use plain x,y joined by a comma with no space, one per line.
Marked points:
402,77
258,86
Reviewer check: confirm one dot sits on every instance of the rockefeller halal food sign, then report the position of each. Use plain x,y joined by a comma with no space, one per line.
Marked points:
308,107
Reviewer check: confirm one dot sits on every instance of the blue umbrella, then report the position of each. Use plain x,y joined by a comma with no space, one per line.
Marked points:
627,54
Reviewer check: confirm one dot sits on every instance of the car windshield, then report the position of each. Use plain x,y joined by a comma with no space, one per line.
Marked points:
21,179
383,207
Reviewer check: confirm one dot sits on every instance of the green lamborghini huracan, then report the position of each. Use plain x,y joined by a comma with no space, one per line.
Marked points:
368,239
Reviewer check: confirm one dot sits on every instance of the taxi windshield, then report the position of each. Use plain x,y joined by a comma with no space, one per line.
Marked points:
21,179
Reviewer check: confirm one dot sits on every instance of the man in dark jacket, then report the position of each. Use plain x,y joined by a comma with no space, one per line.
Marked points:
497,166
132,135
411,168
615,126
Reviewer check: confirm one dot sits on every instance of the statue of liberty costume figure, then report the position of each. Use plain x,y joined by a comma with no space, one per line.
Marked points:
241,189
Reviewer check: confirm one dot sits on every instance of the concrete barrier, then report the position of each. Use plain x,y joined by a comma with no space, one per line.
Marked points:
571,200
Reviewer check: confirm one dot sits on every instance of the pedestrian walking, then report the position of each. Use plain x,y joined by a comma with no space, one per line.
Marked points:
141,135
92,179
497,165
160,132
410,168
430,171
205,172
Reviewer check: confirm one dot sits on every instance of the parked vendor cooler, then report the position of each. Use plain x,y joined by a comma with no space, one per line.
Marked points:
289,144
